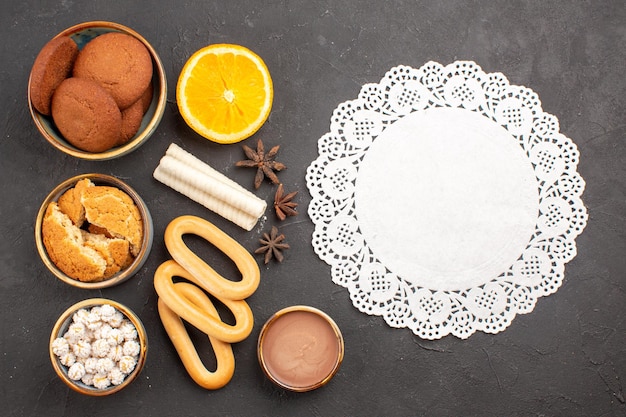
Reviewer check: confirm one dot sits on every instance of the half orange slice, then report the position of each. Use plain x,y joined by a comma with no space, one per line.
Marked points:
225,92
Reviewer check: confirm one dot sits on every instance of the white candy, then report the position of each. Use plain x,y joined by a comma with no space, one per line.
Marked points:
104,365
96,310
106,312
116,376
128,330
100,348
101,381
80,316
93,320
75,332
60,346
115,337
82,349
87,379
90,365
116,353
102,332
76,371
127,364
131,348
68,359
116,320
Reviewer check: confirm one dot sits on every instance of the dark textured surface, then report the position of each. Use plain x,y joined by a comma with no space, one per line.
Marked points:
566,358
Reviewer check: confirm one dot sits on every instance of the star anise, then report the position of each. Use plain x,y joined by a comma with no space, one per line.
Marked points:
272,245
263,162
282,203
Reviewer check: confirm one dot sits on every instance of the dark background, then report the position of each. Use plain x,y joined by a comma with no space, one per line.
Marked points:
566,358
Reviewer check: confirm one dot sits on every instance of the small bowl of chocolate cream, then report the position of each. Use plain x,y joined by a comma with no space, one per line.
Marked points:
300,348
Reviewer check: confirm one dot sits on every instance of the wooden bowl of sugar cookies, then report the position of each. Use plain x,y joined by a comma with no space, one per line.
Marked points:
93,231
97,90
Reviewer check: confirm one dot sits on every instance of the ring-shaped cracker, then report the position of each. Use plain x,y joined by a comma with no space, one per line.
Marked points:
187,309
179,336
207,277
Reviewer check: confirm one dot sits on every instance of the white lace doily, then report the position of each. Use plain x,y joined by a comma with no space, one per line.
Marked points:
445,200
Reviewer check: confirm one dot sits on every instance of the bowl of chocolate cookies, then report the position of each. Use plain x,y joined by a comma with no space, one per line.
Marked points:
97,90
93,231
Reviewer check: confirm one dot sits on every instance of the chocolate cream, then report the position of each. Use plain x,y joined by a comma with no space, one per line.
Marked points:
301,349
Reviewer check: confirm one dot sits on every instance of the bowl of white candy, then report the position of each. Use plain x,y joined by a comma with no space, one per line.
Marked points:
98,347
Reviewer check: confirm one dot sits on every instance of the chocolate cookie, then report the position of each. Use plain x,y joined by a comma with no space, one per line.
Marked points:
118,62
52,65
86,115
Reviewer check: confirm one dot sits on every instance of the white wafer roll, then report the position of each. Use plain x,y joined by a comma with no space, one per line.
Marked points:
216,192
189,159
231,196
220,207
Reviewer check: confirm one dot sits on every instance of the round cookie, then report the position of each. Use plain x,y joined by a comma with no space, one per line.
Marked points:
131,121
118,62
133,116
52,65
146,98
86,115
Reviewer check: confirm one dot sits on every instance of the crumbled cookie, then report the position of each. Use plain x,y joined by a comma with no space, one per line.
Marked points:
69,202
112,209
64,244
116,252
92,232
